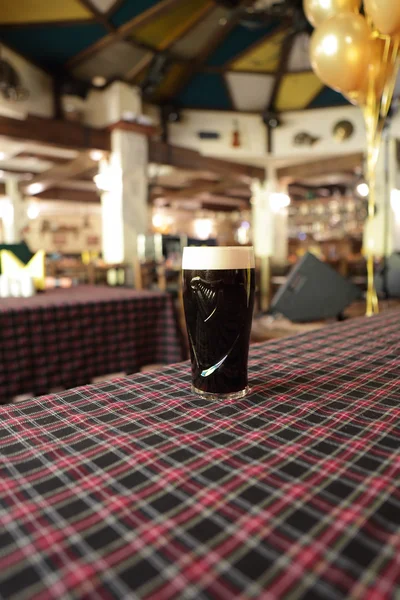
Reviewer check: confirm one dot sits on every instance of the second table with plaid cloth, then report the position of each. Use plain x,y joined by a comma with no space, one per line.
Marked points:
64,338
137,489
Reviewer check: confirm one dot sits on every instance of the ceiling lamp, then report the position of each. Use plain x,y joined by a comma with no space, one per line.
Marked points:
279,201
10,83
363,190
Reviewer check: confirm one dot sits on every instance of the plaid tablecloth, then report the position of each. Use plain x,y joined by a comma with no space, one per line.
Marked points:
64,338
138,489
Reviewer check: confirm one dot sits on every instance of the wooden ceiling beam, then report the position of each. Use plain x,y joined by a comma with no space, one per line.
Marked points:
98,15
26,173
80,185
114,7
63,194
56,175
59,160
215,207
204,187
321,167
184,158
67,195
55,132
225,201
138,67
287,46
147,130
192,191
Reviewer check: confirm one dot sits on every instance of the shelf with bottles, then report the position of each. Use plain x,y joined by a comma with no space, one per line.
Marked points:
327,218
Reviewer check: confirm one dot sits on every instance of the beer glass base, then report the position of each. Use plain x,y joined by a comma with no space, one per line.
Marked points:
215,396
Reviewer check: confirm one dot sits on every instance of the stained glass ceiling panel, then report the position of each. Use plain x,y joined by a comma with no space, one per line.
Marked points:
250,92
191,44
264,57
103,5
297,90
41,11
113,61
170,83
162,31
299,59
55,32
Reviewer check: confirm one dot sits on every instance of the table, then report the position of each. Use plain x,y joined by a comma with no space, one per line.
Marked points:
64,338
267,327
137,489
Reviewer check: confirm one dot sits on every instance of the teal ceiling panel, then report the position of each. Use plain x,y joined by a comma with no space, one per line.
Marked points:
52,46
131,9
238,40
206,90
328,97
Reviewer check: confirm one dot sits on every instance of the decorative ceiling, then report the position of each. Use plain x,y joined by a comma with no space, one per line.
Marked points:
215,54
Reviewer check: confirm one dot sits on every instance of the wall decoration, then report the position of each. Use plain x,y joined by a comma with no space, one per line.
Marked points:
236,135
209,135
59,239
93,240
305,139
343,130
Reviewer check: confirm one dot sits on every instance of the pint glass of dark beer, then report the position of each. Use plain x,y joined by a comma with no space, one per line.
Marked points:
218,297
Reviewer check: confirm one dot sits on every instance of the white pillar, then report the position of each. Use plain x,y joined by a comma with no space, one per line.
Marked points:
13,213
270,231
270,221
394,207
382,235
124,205
262,220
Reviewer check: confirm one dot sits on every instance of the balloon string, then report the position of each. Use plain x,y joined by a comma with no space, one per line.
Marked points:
375,112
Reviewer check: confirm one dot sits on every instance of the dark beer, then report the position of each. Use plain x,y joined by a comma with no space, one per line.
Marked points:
218,309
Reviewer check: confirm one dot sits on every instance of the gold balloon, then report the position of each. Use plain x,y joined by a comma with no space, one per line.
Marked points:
340,51
385,15
318,11
380,70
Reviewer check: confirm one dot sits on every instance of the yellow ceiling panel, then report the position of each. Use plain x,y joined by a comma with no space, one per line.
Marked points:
164,30
40,11
264,57
297,90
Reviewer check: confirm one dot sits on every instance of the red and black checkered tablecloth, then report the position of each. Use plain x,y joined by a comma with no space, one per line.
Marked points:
64,338
137,489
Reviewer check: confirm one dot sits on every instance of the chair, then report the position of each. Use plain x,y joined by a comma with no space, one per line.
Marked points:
152,275
149,274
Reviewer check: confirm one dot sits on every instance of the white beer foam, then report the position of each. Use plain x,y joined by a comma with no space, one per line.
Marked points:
218,258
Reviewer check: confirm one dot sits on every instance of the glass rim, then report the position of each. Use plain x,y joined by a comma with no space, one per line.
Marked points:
218,257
